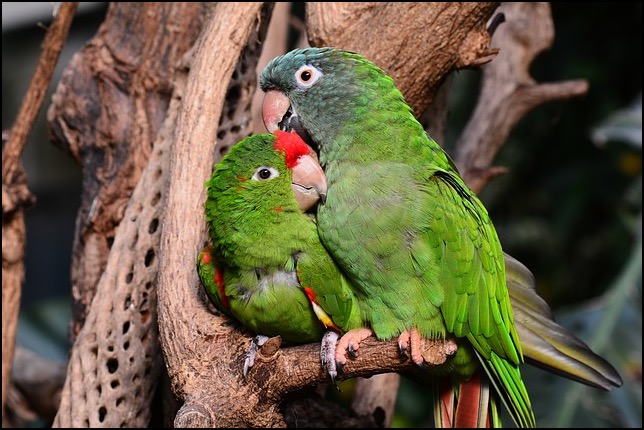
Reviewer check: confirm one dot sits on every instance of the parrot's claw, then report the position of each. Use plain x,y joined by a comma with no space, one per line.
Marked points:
327,354
257,343
350,342
352,352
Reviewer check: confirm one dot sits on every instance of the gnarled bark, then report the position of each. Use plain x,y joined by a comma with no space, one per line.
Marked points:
106,112
508,92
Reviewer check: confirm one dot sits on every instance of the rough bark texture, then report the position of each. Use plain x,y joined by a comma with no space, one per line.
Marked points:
417,44
15,194
107,111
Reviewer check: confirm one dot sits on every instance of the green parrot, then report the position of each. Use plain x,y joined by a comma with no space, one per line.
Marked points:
266,266
420,251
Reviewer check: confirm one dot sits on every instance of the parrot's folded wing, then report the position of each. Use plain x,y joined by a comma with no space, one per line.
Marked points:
545,343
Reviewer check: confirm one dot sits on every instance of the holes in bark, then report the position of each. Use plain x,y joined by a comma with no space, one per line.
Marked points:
129,277
149,257
155,200
119,401
221,134
235,129
112,365
145,316
126,326
223,150
154,224
126,345
158,173
110,348
148,285
99,390
102,412
232,97
127,303
115,383
110,241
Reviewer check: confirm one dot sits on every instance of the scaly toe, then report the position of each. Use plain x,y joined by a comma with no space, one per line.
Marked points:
256,343
328,352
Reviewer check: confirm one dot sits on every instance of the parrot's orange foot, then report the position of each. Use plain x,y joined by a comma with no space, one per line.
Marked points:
432,352
350,342
409,341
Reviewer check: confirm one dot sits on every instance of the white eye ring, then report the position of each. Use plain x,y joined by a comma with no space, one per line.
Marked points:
306,76
264,173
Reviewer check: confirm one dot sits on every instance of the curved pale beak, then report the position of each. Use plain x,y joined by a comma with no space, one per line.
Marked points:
274,108
308,183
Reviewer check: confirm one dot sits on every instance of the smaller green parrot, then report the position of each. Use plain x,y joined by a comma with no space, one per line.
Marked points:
266,266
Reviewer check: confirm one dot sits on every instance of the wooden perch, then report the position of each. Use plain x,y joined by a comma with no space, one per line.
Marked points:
198,347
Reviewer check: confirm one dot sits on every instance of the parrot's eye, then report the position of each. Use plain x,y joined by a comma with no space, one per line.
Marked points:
306,76
263,173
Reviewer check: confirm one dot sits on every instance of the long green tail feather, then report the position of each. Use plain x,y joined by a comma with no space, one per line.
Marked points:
507,382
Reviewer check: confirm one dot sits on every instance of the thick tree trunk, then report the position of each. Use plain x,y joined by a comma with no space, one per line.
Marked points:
417,44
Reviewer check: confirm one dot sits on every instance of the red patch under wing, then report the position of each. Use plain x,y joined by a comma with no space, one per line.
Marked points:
219,279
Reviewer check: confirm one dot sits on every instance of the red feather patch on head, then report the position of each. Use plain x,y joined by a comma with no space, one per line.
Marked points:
291,145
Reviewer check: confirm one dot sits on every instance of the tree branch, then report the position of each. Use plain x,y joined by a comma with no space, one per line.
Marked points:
15,194
106,112
508,92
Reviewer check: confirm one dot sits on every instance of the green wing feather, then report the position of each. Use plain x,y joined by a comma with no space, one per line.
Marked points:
477,304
